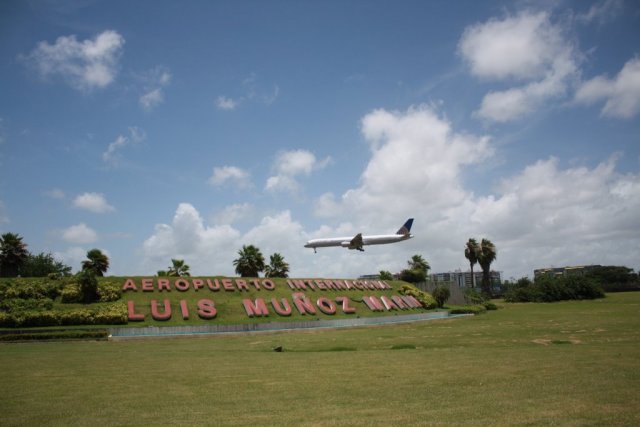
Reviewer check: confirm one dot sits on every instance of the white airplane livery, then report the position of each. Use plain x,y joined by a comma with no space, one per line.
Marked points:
358,241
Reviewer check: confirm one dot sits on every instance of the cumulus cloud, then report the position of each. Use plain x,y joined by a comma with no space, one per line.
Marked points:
79,234
225,103
621,94
93,202
232,213
154,82
544,215
290,164
85,65
230,174
527,48
211,250
134,136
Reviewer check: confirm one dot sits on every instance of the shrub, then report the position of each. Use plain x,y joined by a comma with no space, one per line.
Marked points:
472,296
549,289
424,298
489,305
109,292
441,294
71,294
468,309
13,305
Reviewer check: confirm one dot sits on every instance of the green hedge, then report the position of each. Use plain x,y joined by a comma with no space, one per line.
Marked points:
468,309
101,334
425,299
114,314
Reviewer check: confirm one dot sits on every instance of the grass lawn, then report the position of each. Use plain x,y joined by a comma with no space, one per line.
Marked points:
569,363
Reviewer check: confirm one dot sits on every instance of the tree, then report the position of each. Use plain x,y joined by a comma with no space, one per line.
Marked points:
13,254
486,256
277,267
250,263
96,262
385,275
471,252
441,294
88,285
417,262
178,269
42,265
413,276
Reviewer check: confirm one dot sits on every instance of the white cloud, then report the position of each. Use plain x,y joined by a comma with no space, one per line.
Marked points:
85,65
72,256
232,213
93,202
152,99
526,48
230,174
544,215
224,103
154,81
79,234
211,250
602,12
290,164
135,136
622,93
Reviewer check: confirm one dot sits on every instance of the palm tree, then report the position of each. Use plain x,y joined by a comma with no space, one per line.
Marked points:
277,267
417,262
471,252
250,263
96,262
13,254
487,255
178,269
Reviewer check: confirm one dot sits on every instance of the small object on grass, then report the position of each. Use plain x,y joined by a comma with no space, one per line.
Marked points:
278,349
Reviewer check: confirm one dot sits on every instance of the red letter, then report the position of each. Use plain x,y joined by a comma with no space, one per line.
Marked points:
147,285
228,285
129,284
326,306
206,309
161,316
346,308
164,284
259,308
284,310
373,303
399,302
214,286
303,304
181,285
131,311
269,285
388,304
197,284
242,285
184,309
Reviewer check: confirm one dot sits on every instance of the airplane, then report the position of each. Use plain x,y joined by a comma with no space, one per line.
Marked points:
358,241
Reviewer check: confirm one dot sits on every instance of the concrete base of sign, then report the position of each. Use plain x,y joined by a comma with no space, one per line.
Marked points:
172,331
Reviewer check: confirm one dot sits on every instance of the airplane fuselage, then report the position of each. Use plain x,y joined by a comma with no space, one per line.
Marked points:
345,242
358,241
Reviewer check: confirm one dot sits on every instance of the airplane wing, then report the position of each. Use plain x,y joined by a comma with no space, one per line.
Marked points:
356,242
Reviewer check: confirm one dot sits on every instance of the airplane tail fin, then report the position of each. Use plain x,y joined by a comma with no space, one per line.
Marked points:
406,228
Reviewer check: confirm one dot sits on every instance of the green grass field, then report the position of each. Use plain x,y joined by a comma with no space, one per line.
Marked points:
570,363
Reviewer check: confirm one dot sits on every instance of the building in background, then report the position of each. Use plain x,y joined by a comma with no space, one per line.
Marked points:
578,270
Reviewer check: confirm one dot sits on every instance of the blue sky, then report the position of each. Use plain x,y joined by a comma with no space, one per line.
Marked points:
158,130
